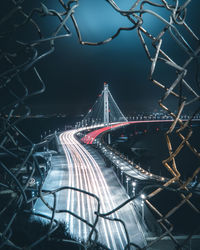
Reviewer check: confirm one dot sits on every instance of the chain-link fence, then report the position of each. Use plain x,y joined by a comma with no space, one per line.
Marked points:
20,54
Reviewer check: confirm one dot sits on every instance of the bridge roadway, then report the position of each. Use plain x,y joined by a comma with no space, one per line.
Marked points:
83,168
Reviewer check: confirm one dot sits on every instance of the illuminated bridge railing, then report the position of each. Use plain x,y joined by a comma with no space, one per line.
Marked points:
126,167
126,170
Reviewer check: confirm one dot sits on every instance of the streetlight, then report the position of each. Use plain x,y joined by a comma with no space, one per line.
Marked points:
133,190
142,205
127,180
121,176
143,196
133,183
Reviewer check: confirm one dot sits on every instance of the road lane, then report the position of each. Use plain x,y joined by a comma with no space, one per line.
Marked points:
85,170
87,175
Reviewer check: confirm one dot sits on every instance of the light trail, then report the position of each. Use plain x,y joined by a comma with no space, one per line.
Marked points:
80,183
91,176
105,190
90,137
84,173
107,197
70,197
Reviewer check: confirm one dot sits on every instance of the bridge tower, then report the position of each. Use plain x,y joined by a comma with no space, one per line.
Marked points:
105,110
106,105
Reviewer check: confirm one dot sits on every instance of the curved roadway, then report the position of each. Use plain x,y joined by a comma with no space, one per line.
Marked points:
86,174
81,167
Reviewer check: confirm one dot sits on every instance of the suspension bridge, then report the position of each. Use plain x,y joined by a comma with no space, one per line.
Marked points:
81,167
104,111
25,42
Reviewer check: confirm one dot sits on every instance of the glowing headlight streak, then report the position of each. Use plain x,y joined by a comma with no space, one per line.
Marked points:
105,195
95,188
90,137
70,198
89,177
91,187
77,196
75,173
80,183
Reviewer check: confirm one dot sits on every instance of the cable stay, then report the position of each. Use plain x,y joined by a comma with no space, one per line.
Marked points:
104,111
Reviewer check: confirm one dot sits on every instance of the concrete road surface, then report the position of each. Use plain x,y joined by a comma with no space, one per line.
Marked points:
82,167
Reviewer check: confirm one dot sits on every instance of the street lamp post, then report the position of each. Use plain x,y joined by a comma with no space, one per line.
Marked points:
122,177
142,206
133,190
127,180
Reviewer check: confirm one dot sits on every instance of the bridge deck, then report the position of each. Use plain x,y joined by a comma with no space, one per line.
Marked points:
86,170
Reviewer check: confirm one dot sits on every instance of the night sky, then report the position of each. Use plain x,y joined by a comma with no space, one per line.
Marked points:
74,74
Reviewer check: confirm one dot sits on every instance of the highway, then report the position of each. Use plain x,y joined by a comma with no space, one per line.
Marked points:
83,169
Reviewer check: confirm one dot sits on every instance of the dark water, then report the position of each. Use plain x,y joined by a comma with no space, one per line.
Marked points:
146,144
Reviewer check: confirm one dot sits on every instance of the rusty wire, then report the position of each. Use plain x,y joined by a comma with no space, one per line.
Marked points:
17,150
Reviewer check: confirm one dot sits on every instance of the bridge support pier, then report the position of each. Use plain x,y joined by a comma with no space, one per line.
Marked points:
109,139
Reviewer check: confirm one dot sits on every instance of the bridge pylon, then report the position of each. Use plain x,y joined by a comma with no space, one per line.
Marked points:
104,111
106,105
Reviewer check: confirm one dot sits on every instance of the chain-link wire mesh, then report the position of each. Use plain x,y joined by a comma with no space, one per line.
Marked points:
20,54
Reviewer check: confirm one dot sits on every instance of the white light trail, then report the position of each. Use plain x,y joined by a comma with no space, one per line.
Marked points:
84,173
